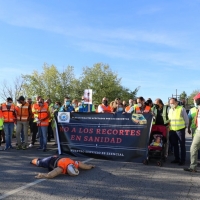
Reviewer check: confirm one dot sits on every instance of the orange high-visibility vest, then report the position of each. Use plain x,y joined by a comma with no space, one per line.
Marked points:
42,113
64,162
8,114
146,109
22,112
106,109
128,108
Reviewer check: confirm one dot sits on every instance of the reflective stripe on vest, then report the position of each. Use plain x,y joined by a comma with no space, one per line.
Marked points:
193,112
106,109
164,114
8,114
23,112
43,113
146,109
176,120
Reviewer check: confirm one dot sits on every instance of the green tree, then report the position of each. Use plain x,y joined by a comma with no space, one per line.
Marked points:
49,83
104,83
183,95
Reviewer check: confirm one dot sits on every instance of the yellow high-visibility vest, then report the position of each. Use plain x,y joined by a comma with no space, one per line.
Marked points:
176,120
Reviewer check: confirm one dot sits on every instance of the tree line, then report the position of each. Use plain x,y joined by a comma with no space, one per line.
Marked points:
54,84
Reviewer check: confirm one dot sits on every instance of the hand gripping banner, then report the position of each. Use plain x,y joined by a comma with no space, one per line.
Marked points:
120,137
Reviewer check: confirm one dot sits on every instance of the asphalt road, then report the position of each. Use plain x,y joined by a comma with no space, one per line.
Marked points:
109,180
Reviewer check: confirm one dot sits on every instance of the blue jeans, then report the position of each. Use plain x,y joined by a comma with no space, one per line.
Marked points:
44,162
178,137
8,129
42,130
22,135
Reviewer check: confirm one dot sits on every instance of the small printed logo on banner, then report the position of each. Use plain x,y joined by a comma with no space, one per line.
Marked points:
63,117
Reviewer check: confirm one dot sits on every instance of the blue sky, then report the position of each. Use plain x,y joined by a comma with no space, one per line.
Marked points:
151,44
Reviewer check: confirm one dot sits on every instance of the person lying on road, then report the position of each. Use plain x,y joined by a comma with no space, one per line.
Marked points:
57,165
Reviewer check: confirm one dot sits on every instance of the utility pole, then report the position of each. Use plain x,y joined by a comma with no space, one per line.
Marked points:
175,96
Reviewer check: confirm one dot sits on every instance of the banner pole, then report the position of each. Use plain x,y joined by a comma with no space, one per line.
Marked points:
58,140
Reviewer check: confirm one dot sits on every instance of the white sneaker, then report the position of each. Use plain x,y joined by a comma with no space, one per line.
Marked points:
30,145
1,148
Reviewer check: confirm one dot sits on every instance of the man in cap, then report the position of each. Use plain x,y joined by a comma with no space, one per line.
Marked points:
196,140
57,165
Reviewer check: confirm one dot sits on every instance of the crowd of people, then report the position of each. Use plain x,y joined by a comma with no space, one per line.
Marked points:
38,117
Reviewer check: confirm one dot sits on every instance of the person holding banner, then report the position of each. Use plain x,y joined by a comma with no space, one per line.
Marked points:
86,107
129,107
104,107
67,107
160,112
57,165
141,107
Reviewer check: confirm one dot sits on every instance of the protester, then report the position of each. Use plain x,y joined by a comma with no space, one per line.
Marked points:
114,104
149,102
29,101
75,104
129,107
67,107
50,131
9,114
196,140
178,122
120,108
1,127
24,113
85,108
104,107
124,104
34,124
42,121
141,107
192,125
57,165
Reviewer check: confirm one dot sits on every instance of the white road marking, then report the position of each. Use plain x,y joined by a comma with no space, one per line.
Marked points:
30,184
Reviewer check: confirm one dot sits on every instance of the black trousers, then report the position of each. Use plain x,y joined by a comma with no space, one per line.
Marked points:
50,132
34,130
176,138
48,162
